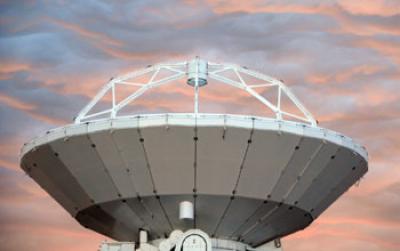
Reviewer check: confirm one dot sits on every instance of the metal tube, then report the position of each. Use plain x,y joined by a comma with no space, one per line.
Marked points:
186,211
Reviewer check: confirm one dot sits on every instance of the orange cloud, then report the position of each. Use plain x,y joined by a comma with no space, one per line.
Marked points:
338,10
8,164
331,237
85,33
121,54
387,48
375,96
358,221
371,7
11,67
7,69
358,227
105,43
378,181
350,26
30,109
368,123
15,103
340,77
50,237
222,7
49,120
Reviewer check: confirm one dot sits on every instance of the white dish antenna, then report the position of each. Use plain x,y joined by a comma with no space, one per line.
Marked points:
240,179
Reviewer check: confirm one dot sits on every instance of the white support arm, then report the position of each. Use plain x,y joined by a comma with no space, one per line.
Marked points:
215,71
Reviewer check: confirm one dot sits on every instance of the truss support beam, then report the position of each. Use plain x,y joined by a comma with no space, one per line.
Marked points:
197,72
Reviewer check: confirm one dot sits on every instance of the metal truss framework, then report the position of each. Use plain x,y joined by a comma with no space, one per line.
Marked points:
178,71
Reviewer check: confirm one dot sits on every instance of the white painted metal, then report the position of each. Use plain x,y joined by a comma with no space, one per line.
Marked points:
117,246
131,138
243,178
191,240
194,240
152,157
186,211
270,246
143,236
169,243
197,72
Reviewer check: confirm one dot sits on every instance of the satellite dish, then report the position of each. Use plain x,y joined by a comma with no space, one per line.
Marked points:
243,179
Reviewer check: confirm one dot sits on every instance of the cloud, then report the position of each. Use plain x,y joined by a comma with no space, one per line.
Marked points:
385,47
372,224
30,109
9,68
14,103
374,7
87,34
341,58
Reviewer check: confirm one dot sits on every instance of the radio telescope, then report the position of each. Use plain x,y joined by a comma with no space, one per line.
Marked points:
194,181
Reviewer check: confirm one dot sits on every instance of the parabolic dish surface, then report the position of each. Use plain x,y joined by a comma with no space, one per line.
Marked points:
251,179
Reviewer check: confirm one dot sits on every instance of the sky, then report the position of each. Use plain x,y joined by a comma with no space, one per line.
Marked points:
341,58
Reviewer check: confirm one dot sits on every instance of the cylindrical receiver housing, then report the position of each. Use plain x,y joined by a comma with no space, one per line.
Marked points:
143,236
186,211
197,71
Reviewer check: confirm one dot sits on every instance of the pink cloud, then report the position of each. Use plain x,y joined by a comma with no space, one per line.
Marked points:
341,77
372,7
8,68
365,218
338,10
29,109
15,103
87,34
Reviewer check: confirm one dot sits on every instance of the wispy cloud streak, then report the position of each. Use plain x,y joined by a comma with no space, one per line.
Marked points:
342,58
